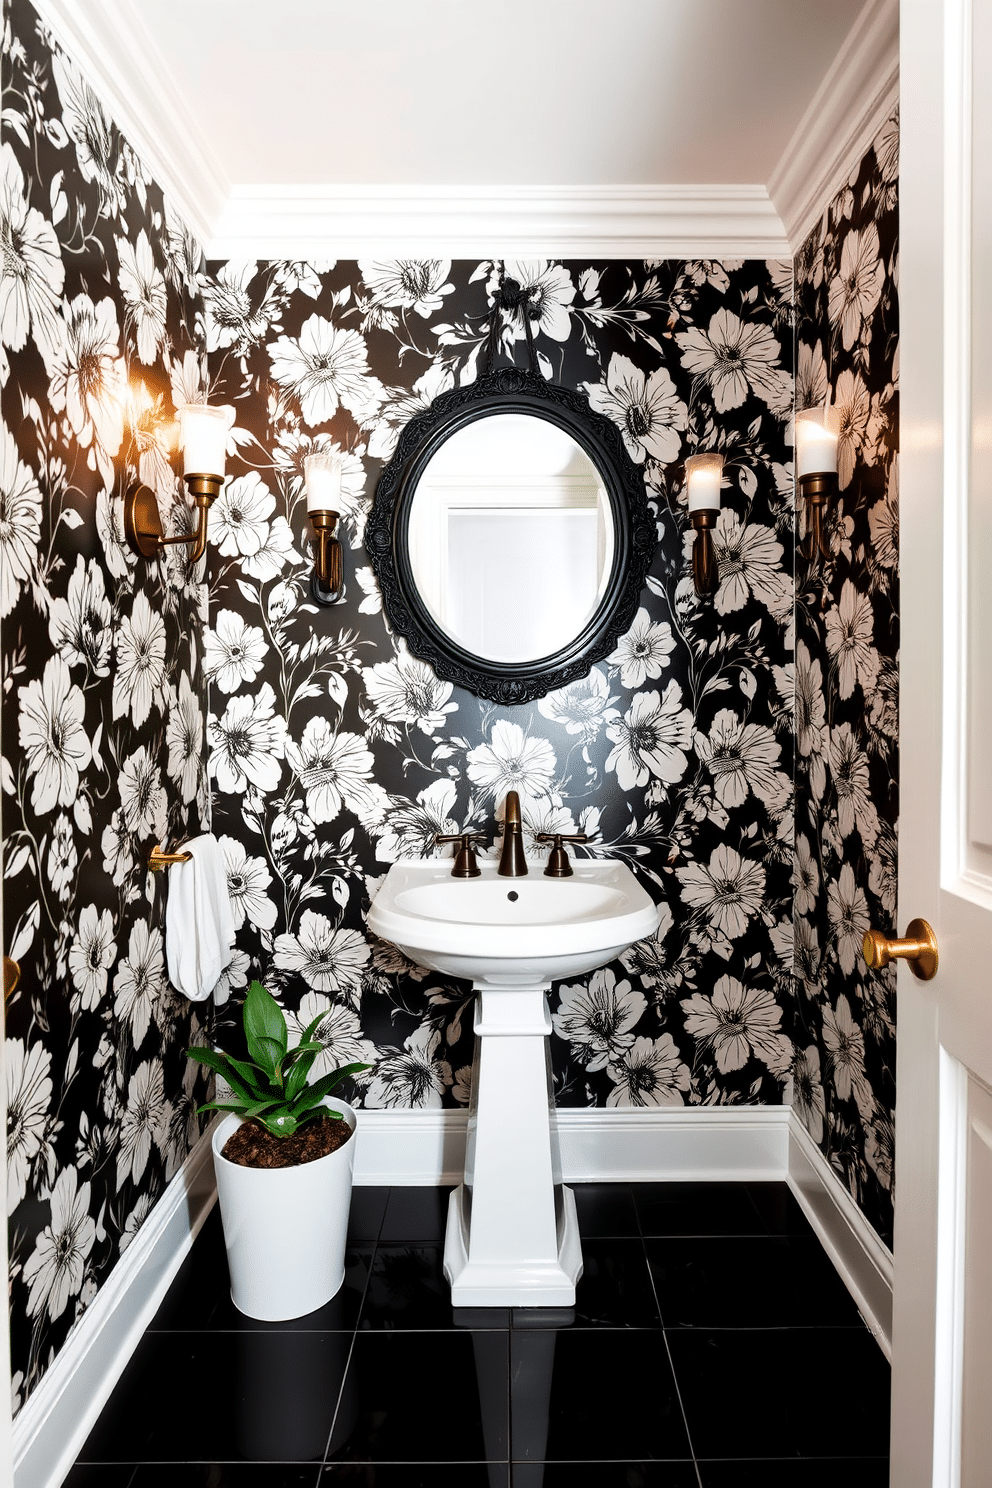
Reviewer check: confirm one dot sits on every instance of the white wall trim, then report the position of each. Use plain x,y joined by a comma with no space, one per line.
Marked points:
118,58
855,98
58,1415
724,1143
863,1261
302,222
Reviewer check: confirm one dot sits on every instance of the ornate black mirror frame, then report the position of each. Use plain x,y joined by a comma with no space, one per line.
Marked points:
510,390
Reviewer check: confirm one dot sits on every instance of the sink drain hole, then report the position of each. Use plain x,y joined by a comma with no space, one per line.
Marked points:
513,896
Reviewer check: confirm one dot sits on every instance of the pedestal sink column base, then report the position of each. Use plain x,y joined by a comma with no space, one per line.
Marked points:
512,1237
512,1283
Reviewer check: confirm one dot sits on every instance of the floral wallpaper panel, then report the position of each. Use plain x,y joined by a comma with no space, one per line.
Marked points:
847,687
333,751
104,695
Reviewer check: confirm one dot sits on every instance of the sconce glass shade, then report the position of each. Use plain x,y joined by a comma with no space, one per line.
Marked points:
816,441
203,431
322,473
703,475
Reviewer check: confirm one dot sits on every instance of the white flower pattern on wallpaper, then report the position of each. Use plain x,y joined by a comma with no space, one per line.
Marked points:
847,628
674,753
105,741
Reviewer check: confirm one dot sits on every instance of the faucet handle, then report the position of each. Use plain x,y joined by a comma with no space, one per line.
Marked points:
465,863
558,863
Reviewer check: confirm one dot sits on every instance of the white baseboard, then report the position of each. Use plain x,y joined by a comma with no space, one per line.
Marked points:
597,1146
862,1260
708,1143
59,1414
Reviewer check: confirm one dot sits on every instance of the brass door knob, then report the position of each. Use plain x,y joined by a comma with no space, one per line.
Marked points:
918,947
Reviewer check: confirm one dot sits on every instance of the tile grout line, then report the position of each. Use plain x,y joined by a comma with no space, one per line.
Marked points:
668,1352
351,1352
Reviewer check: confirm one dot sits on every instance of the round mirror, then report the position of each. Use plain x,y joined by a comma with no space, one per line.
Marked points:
510,536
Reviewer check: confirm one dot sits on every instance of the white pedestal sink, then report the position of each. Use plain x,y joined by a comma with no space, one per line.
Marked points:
512,1239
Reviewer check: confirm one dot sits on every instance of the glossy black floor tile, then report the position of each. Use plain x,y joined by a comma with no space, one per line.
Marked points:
414,1214
224,1475
252,1397
779,1209
407,1289
603,1475
368,1205
837,1472
99,1475
577,1395
605,1209
615,1290
425,1397
417,1475
748,1282
751,1393
200,1296
716,1298
696,1209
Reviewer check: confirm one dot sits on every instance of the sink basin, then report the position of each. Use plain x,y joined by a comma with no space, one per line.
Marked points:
512,1238
497,931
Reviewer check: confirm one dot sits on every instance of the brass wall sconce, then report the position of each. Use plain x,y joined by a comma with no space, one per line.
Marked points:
703,477
203,434
816,472
322,473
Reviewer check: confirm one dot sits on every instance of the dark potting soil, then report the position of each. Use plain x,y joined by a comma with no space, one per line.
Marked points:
252,1146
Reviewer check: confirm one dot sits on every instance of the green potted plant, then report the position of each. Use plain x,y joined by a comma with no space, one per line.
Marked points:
283,1160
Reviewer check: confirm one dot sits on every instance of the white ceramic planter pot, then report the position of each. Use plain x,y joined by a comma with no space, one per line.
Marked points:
285,1228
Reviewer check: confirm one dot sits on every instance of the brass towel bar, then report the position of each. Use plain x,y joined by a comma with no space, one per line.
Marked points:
157,859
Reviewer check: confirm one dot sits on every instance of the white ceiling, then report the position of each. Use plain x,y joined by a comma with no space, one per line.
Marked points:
623,128
563,92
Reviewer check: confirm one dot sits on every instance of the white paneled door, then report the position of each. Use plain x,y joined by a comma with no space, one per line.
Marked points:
942,1331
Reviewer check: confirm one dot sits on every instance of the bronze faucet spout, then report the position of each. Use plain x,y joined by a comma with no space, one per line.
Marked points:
512,863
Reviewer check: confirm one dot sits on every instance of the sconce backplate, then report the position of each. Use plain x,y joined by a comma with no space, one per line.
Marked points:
142,524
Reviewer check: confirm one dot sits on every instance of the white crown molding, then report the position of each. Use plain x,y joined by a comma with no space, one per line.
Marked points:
857,95
60,1412
301,222
862,1260
118,58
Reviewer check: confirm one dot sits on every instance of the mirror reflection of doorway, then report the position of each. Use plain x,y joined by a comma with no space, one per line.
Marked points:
511,538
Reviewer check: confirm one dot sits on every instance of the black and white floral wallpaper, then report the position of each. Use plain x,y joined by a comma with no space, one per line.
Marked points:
103,688
847,653
333,751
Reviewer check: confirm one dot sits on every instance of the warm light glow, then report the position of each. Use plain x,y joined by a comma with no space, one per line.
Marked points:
816,441
137,402
322,473
703,476
203,431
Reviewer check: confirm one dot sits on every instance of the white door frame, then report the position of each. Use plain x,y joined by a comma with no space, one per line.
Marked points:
920,481
935,440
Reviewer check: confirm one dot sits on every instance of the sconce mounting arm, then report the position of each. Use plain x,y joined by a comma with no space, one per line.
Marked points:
143,526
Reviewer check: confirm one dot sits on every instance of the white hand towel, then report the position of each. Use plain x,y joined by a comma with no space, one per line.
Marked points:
199,924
